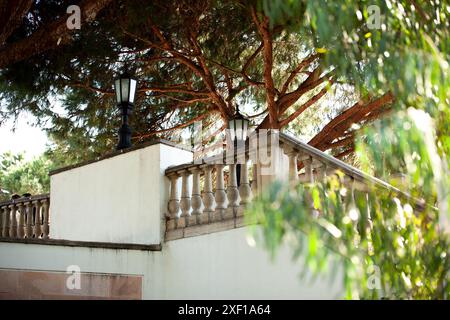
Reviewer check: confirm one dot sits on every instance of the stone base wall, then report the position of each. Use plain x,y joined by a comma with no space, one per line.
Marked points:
21,284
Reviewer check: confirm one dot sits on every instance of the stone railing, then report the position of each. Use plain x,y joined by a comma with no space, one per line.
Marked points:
205,196
209,202
26,217
317,164
216,202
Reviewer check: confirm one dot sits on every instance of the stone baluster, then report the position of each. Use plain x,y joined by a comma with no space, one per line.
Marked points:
21,224
174,202
185,200
232,188
244,189
221,195
196,200
2,213
322,172
317,166
293,157
29,219
208,196
6,222
37,219
307,161
13,223
232,193
46,226
369,209
353,210
254,185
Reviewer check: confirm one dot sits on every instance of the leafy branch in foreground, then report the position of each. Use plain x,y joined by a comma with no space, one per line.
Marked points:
374,229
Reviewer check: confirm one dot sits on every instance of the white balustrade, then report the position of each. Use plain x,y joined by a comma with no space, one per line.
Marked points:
25,218
204,204
208,205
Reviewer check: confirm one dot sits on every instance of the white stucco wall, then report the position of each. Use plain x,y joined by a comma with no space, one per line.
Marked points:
120,199
216,266
123,200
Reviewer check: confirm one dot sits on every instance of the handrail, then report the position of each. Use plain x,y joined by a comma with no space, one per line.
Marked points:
25,199
308,150
346,168
208,160
334,162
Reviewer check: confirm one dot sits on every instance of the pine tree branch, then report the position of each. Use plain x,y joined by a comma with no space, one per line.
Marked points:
304,106
301,66
49,36
263,29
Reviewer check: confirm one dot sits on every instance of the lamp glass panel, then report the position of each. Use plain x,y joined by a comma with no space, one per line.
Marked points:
244,130
239,129
125,90
231,129
117,88
132,90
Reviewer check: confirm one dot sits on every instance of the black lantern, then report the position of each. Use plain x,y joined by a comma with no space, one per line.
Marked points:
238,128
125,88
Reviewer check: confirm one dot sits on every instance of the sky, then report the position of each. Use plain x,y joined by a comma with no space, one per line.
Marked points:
25,138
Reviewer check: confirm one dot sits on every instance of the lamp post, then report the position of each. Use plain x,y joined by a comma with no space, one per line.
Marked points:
238,128
125,88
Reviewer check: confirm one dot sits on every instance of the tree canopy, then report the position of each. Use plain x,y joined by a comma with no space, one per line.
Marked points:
194,61
332,67
18,176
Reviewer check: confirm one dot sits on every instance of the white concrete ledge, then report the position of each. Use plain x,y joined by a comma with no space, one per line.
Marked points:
207,228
